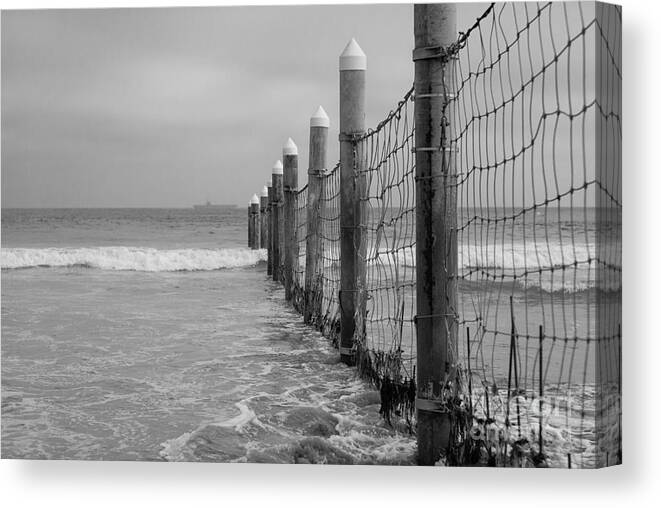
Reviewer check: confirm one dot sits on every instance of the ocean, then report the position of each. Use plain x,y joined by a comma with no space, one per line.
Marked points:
155,334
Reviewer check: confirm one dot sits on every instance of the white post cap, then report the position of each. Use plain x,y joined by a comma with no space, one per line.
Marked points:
290,148
265,192
277,168
254,200
319,119
269,183
353,58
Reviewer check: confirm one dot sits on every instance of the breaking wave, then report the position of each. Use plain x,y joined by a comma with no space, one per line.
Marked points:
514,256
566,268
131,258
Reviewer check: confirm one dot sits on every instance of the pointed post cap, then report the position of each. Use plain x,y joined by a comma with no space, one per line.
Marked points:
277,168
353,58
290,148
319,119
269,183
265,192
254,200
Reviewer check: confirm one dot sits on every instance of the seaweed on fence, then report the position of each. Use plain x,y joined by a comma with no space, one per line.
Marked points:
383,370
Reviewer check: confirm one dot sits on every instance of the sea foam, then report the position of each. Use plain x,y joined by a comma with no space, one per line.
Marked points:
131,258
554,267
500,256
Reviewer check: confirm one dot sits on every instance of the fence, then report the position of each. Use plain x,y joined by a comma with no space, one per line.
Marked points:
326,314
465,254
385,349
298,290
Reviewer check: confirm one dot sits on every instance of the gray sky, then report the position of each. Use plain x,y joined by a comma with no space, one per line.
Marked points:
169,107
173,106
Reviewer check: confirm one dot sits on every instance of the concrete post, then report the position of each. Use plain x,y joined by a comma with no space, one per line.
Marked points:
269,244
253,227
353,64
290,188
318,148
436,222
263,218
278,222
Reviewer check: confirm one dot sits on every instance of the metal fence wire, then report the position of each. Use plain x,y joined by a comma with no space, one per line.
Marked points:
535,136
385,345
328,318
539,229
298,279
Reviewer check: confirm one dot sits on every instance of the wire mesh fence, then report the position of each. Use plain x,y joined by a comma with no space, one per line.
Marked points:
538,236
328,319
298,281
386,341
522,122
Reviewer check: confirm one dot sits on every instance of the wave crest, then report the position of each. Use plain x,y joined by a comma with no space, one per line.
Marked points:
564,268
131,258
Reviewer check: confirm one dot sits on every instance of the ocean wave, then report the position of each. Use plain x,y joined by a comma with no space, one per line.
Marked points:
131,258
566,268
508,256
529,256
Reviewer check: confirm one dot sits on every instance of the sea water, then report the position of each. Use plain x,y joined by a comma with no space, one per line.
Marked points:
154,334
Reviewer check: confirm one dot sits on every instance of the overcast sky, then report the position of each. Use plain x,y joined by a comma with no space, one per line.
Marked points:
174,106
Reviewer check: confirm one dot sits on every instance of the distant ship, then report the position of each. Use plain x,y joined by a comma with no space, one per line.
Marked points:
208,207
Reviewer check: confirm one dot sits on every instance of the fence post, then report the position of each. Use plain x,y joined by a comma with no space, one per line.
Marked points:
319,124
290,188
249,228
269,226
436,219
253,225
263,222
353,64
278,221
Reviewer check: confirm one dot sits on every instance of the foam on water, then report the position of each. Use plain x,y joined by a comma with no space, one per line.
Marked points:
535,264
503,256
245,416
179,449
337,424
114,362
131,258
